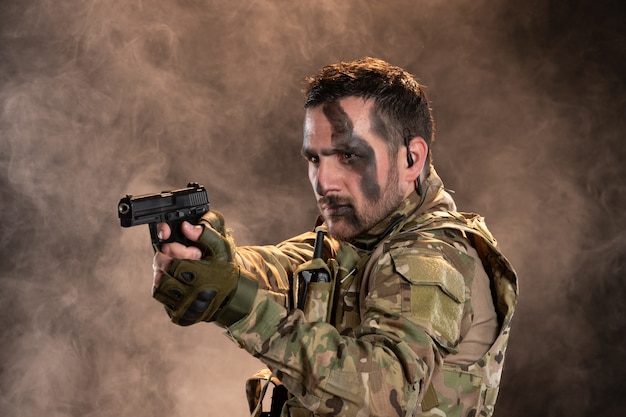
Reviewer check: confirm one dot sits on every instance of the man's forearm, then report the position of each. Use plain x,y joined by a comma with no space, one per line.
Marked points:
275,265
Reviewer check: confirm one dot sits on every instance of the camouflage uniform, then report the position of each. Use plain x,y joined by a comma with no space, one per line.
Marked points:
375,341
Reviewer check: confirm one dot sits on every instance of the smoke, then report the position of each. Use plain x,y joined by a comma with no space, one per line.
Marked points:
102,99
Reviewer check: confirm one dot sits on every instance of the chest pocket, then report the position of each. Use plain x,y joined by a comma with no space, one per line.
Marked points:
435,294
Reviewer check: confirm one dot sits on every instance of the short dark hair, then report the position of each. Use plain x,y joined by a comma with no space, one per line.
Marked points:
400,103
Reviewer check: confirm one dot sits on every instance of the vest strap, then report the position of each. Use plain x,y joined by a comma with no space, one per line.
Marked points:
430,399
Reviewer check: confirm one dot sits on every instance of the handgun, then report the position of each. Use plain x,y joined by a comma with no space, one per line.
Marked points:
171,207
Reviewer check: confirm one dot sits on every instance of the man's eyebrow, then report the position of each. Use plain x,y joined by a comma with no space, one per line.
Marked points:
354,142
306,152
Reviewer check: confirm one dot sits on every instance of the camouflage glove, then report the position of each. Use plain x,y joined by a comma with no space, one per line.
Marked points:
214,288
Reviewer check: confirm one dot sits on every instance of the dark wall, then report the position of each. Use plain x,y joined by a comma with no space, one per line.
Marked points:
101,99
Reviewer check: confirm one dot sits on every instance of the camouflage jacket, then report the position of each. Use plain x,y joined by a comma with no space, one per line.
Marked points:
377,338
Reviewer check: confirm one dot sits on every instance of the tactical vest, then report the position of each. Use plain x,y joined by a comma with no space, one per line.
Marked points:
467,390
474,386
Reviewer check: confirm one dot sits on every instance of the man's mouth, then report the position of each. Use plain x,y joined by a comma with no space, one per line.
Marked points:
332,207
335,210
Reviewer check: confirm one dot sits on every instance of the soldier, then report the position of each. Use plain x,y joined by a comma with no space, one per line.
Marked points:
405,308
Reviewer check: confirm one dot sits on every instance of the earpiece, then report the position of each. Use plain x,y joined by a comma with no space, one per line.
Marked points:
409,157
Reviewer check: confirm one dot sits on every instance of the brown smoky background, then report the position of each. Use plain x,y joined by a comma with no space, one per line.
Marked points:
99,99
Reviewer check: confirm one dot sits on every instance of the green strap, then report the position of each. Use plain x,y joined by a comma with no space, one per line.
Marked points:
430,400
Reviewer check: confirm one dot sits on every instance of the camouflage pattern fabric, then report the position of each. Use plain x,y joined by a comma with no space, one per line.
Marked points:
375,340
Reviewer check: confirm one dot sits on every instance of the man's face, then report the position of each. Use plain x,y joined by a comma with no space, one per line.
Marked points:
355,182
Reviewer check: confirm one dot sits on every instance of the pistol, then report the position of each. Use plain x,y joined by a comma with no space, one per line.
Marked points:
171,207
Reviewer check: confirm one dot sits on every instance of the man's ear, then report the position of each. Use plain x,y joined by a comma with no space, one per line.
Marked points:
417,153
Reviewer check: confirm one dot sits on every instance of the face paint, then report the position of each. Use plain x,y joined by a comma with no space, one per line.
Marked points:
358,199
345,140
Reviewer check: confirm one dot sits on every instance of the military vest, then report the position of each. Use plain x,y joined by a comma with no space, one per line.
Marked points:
472,390
467,390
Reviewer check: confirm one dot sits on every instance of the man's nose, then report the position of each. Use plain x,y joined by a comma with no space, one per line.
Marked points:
328,178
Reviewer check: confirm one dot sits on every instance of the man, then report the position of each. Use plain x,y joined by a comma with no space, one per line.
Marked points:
406,307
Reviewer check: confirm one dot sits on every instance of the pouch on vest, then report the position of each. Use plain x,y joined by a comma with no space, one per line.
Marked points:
314,288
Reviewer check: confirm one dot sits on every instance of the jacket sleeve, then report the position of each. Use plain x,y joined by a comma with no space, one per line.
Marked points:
274,266
381,368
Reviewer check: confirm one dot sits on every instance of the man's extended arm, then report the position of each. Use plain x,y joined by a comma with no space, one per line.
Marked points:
382,366
274,266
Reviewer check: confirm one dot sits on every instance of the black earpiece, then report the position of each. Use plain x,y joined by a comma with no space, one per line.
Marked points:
407,138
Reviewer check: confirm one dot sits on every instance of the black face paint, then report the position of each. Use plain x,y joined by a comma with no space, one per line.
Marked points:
345,140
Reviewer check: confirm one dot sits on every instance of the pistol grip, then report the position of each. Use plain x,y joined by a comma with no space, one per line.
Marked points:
176,235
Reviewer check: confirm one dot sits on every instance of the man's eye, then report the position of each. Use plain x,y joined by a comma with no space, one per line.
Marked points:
347,156
313,159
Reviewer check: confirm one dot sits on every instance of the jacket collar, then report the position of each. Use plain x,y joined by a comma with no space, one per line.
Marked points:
434,198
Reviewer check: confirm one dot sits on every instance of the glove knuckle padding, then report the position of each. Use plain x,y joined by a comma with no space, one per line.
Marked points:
211,289
194,290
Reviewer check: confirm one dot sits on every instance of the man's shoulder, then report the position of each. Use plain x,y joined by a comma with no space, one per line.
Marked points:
434,239
434,274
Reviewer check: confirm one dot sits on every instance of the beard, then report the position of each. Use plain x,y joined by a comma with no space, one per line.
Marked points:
347,220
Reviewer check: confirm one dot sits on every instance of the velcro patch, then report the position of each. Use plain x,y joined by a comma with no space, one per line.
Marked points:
437,293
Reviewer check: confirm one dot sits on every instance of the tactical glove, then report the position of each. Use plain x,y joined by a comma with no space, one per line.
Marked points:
214,288
215,241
